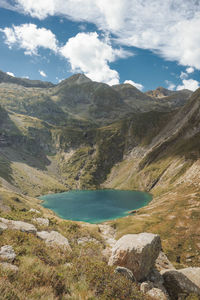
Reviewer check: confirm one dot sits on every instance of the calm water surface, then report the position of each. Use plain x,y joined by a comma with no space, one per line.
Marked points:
95,206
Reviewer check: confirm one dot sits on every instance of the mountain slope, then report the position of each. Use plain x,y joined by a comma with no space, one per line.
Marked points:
5,78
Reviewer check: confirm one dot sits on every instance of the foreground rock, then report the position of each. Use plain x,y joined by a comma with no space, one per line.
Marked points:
137,252
163,263
182,282
54,238
157,294
3,227
41,221
9,267
7,254
19,225
125,272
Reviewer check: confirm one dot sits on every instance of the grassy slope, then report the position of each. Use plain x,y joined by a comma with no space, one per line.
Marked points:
42,270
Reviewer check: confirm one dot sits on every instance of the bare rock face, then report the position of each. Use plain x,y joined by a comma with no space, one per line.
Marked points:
54,238
136,252
182,282
7,254
41,221
19,225
33,210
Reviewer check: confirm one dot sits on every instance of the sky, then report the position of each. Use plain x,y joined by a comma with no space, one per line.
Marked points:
147,43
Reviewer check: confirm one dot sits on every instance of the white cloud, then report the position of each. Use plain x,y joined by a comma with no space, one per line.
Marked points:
170,85
89,54
189,84
183,75
11,74
139,86
169,28
42,73
190,70
30,38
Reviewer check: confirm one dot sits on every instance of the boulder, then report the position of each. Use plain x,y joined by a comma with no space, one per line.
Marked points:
125,272
3,227
7,254
136,252
163,263
182,282
146,286
9,267
54,238
41,221
157,294
19,225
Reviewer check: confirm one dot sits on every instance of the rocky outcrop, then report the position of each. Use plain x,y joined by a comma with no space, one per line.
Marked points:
85,240
19,225
3,227
125,272
136,252
182,282
41,221
54,238
7,254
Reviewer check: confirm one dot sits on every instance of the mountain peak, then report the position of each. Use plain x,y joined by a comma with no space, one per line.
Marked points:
76,79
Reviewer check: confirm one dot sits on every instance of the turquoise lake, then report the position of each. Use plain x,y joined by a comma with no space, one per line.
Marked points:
95,206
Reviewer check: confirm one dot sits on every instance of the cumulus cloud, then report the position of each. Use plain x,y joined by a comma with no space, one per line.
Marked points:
189,84
139,86
169,28
89,54
170,85
190,70
42,73
11,74
29,37
183,75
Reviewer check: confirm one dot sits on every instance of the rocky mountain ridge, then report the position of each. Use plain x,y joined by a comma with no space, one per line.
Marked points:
86,135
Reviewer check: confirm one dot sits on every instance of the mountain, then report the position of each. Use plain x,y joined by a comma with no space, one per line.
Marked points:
82,134
5,78
160,92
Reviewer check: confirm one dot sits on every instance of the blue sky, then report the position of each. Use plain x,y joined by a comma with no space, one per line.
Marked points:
146,43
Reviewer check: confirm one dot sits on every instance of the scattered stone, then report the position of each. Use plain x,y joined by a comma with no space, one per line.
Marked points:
146,286
19,225
54,238
163,263
182,282
7,254
125,272
41,221
157,294
9,267
3,227
33,210
84,240
136,252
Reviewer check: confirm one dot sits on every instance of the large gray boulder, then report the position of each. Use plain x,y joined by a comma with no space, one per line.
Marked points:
19,225
157,294
182,282
7,254
54,238
136,252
